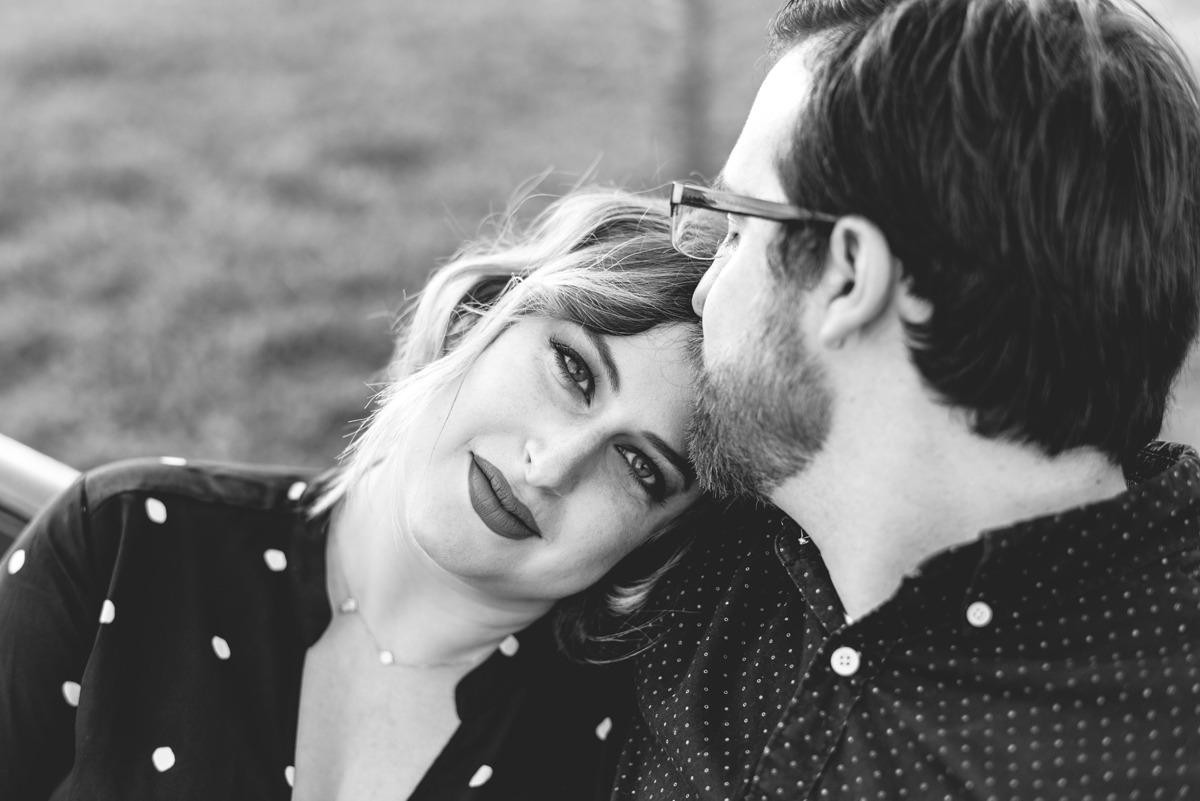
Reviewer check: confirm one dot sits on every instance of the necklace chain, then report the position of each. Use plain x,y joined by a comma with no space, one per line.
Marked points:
349,606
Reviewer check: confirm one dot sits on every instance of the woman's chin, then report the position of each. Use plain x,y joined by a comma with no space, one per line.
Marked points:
477,557
502,576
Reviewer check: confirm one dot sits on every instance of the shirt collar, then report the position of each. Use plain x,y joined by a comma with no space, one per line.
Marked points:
1034,562
804,564
507,670
306,559
1043,560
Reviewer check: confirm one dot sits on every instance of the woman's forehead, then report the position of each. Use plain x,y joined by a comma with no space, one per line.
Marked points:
658,365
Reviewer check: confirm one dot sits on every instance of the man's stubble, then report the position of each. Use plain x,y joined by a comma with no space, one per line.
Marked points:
762,418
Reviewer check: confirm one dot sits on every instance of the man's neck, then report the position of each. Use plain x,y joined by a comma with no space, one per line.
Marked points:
895,495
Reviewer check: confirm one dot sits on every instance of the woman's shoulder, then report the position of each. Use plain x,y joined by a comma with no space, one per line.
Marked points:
252,487
191,515
206,510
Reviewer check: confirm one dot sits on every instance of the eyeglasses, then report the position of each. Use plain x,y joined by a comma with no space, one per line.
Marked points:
700,217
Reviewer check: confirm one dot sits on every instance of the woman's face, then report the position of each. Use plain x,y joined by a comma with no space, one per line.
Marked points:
560,452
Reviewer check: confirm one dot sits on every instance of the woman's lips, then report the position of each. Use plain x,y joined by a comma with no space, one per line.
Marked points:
493,499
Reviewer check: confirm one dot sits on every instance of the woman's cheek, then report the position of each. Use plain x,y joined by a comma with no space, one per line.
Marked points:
600,530
629,531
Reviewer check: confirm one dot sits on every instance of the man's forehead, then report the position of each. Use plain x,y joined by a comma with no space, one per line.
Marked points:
750,169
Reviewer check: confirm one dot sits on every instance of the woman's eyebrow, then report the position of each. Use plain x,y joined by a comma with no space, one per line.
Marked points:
606,357
681,464
600,343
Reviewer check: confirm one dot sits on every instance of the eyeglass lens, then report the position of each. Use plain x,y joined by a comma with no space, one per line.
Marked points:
697,232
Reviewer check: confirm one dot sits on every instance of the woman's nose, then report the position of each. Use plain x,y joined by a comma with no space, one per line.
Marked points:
555,461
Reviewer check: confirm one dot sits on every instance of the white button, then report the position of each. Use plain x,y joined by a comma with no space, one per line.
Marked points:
220,647
979,614
275,559
163,758
174,461
296,490
845,661
108,611
509,645
289,773
16,561
481,776
602,731
156,510
70,691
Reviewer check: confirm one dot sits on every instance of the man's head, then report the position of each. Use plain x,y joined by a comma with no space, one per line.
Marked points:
1019,186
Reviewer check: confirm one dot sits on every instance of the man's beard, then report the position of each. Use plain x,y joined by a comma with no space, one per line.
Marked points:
763,419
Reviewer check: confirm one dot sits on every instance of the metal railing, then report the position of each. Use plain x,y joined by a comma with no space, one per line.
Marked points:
28,480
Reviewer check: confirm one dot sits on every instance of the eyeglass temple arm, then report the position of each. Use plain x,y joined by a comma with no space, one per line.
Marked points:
702,197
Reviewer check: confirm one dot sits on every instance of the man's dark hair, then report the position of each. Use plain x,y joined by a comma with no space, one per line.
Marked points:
801,19
1036,167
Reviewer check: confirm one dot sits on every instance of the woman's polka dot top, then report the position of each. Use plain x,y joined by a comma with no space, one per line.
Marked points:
153,627
1057,658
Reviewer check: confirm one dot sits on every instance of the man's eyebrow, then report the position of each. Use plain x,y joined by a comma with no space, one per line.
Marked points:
681,464
606,357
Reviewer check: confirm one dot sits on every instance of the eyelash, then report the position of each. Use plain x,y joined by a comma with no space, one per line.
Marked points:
561,354
655,486
656,490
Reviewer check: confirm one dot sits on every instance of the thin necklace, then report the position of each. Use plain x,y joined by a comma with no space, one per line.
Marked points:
349,606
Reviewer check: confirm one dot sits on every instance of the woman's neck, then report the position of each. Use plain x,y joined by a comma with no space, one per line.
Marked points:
414,608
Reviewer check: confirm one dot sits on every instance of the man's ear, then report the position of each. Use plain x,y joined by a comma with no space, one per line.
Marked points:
860,276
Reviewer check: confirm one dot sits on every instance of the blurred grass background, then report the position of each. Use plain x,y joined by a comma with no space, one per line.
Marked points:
211,210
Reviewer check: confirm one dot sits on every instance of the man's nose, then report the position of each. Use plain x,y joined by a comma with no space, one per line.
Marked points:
556,460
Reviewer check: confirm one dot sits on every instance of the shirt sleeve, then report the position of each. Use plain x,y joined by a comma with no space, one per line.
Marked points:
51,598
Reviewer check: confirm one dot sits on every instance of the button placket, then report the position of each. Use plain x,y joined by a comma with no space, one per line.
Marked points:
820,727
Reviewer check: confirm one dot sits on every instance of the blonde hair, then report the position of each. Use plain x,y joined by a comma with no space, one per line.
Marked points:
601,258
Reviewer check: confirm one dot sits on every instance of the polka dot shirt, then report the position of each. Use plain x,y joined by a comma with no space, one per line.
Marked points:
1057,658
153,626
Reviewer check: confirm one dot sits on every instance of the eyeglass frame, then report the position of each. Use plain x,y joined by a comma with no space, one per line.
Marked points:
684,195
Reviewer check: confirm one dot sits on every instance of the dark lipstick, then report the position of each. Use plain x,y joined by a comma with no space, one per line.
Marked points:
493,499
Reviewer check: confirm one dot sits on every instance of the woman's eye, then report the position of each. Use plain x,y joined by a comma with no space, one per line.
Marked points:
575,369
645,471
640,468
